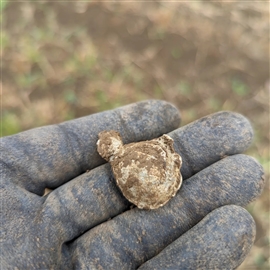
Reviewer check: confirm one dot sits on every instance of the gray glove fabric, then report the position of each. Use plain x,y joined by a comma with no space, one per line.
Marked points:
86,223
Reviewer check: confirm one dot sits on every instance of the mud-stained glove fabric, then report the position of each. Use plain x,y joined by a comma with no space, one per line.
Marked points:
86,223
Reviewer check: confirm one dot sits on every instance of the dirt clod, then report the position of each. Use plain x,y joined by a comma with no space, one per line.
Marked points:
147,173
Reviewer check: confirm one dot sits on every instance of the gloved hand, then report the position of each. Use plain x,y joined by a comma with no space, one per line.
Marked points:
86,223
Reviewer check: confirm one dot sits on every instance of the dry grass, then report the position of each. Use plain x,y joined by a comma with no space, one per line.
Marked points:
65,60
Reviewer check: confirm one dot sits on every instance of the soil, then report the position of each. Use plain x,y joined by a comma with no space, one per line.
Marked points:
147,173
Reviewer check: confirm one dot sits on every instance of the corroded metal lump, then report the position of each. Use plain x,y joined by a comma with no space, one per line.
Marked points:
147,173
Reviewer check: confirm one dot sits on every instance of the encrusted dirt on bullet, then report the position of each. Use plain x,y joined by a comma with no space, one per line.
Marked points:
147,173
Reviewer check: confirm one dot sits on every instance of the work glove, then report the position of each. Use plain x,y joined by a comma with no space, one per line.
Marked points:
86,223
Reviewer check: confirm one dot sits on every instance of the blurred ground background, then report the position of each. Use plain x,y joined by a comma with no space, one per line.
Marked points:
62,60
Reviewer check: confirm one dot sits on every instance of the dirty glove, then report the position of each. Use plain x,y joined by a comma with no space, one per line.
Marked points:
86,223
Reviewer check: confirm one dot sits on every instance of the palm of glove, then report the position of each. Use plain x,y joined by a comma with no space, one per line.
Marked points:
86,223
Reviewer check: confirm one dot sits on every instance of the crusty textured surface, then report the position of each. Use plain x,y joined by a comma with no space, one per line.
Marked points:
147,173
205,247
109,144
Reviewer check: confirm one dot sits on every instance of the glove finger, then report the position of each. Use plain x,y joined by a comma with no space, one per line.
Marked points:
210,139
93,197
134,237
52,155
221,240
